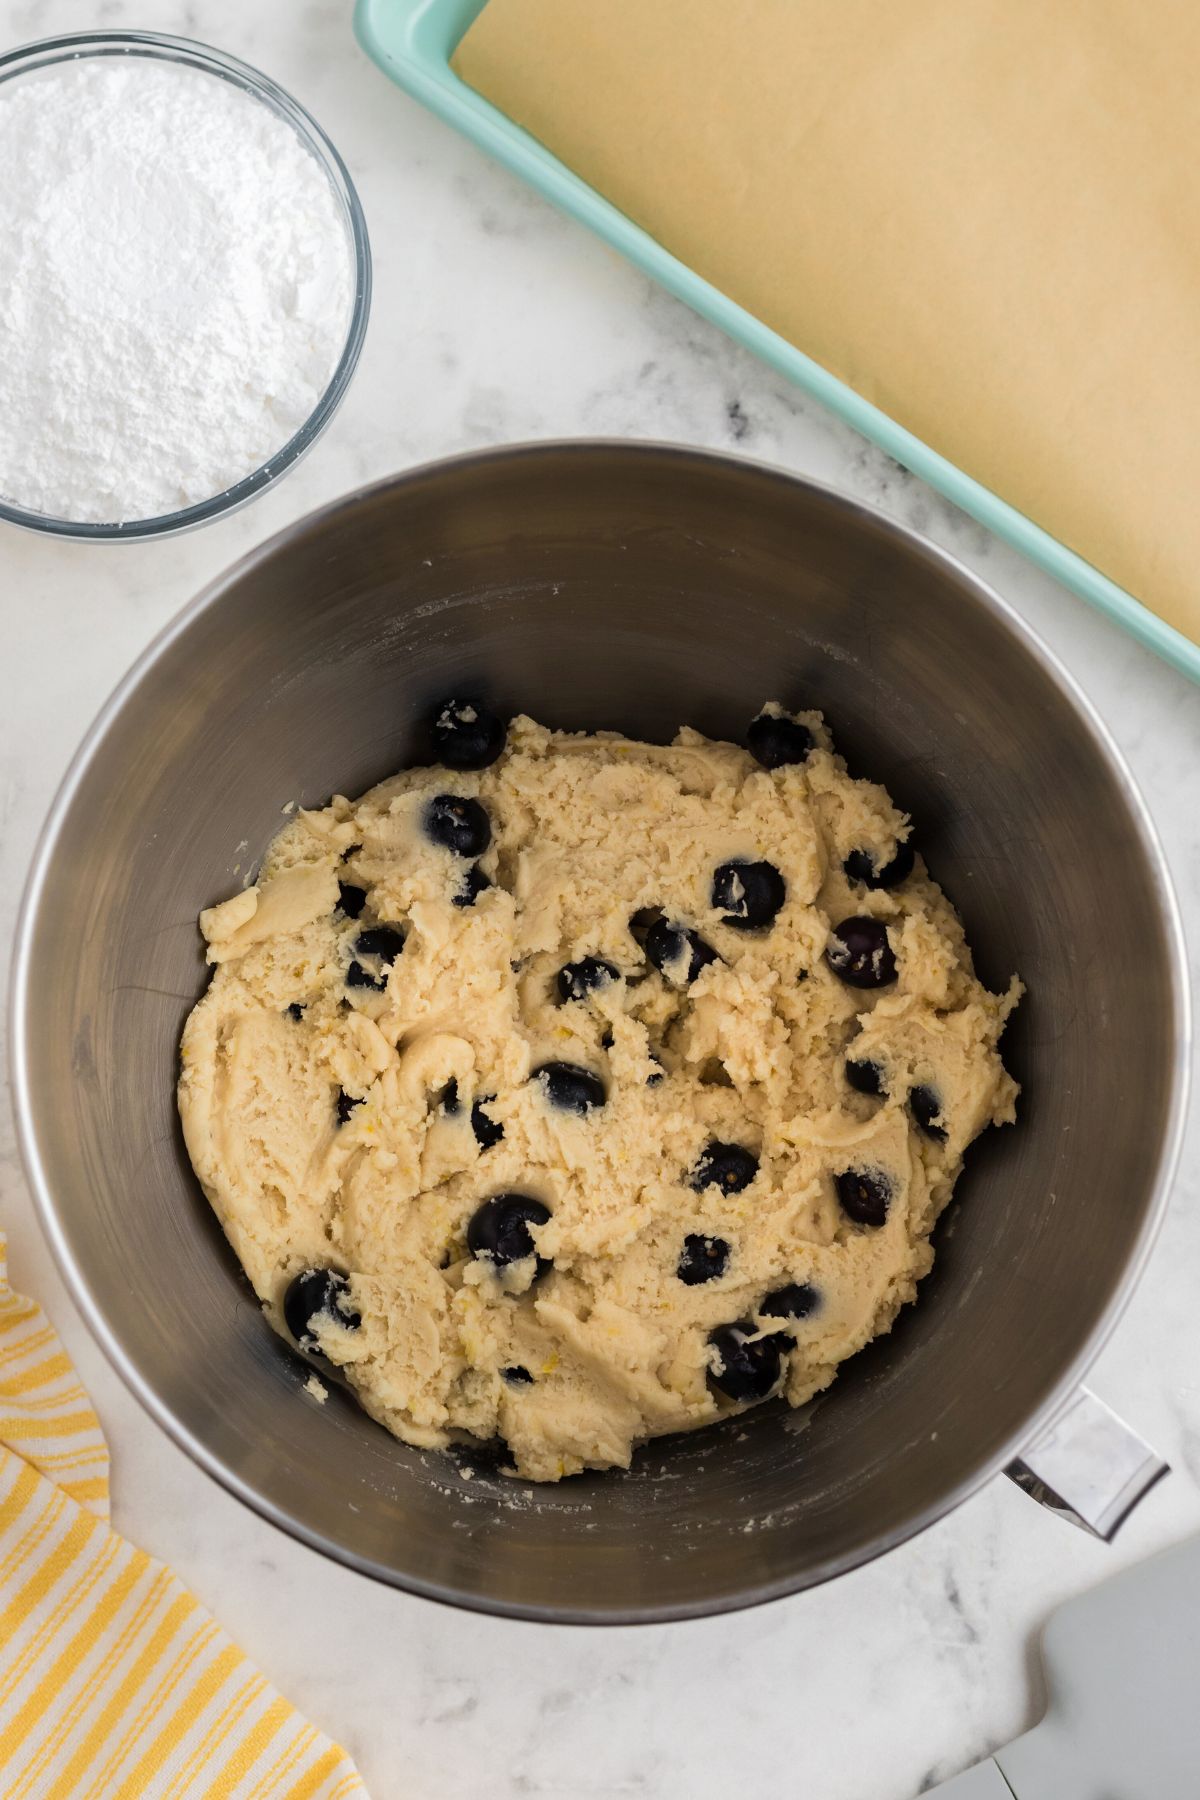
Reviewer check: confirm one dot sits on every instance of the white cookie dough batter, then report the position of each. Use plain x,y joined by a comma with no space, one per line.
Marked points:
729,1187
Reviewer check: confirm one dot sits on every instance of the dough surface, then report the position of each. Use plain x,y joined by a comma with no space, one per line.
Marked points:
342,1110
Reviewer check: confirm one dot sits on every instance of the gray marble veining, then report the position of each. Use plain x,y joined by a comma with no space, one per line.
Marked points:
495,319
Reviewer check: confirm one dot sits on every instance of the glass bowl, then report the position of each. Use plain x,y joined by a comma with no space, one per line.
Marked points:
215,62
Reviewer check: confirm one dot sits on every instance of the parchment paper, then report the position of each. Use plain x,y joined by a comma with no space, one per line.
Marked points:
984,215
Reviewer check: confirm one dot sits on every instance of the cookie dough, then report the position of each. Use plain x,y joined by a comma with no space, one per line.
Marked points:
572,1091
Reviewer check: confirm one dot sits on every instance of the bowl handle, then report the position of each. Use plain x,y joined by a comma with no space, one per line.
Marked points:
1089,1466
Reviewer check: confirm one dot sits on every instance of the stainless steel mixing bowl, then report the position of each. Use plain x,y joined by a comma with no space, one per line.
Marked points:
638,587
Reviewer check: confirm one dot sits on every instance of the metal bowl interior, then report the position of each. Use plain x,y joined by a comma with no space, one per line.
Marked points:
635,587
157,46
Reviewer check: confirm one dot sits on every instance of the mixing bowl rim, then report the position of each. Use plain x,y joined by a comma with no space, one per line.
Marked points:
20,1008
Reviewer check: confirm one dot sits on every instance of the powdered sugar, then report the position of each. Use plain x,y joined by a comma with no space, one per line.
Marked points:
176,282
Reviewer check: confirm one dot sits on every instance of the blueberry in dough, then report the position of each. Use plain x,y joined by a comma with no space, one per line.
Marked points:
517,1376
860,866
571,1088
702,1259
500,1233
774,740
747,1366
295,1011
926,1108
458,823
486,1456
576,980
864,1195
344,1105
642,921
474,882
749,894
384,941
798,1300
865,1076
667,946
729,1167
358,977
466,735
315,1292
488,1131
351,899
859,953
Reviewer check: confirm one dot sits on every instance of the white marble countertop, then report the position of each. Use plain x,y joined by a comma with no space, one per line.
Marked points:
495,319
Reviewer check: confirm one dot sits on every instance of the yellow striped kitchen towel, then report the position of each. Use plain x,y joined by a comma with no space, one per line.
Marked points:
115,1684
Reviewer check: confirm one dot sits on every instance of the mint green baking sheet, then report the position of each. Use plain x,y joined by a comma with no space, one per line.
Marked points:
413,41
